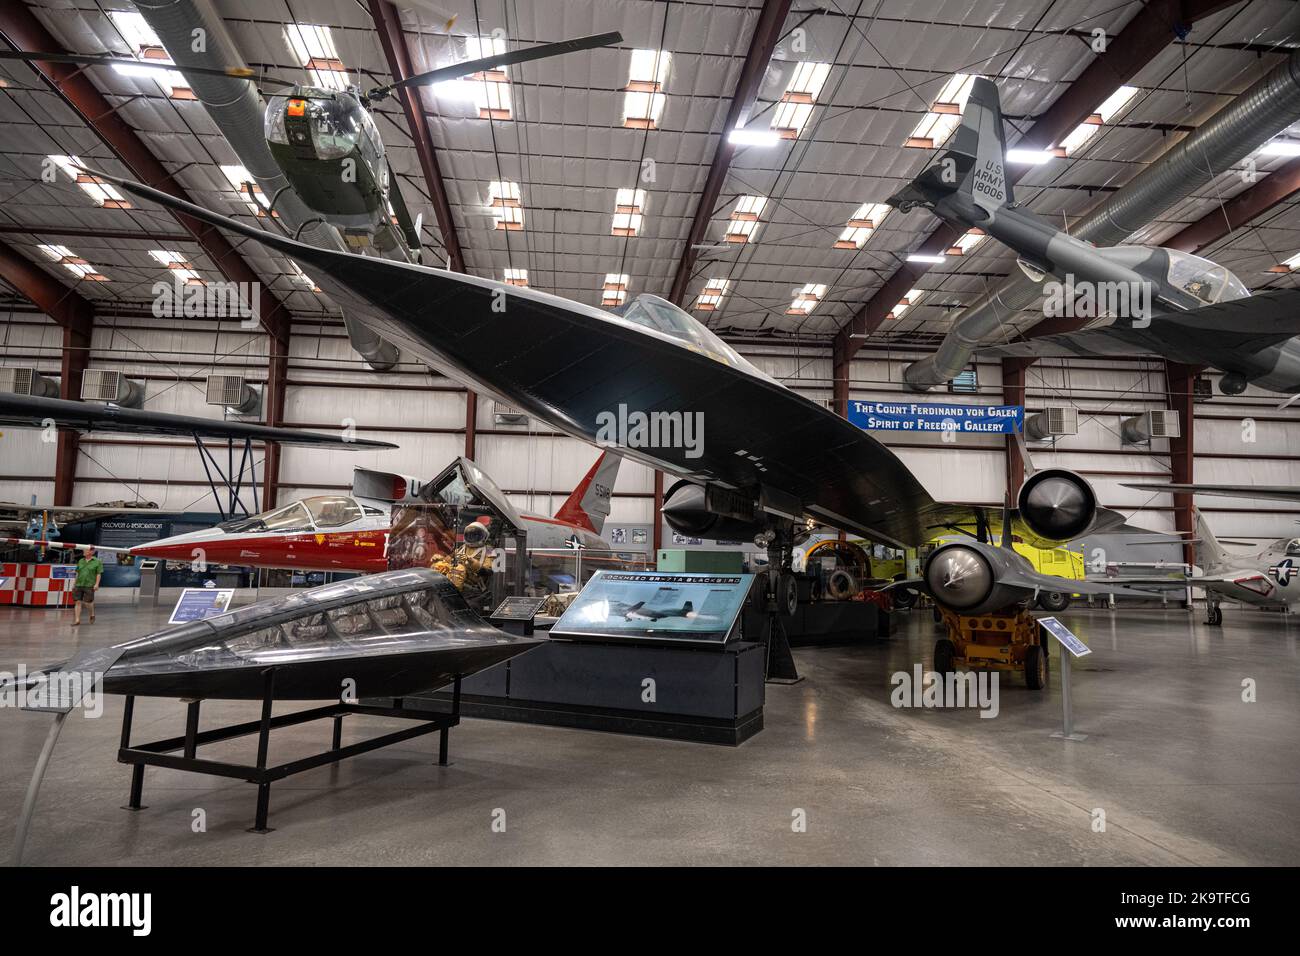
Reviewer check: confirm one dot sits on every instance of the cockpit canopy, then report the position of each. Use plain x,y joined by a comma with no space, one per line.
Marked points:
1291,546
1202,279
335,121
319,513
652,312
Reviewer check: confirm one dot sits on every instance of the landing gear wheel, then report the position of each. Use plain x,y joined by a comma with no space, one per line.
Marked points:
1214,615
904,598
1054,601
1035,667
787,594
841,585
944,651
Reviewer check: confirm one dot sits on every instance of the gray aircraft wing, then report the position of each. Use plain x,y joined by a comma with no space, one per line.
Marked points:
1272,492
30,411
1211,335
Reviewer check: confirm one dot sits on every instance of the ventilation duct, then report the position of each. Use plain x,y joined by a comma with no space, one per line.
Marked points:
1229,136
110,385
238,111
1158,423
27,381
232,392
1052,422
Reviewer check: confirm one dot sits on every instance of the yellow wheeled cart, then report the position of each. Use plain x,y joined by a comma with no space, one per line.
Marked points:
1004,640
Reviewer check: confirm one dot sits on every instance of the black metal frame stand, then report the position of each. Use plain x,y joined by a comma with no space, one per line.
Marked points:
160,753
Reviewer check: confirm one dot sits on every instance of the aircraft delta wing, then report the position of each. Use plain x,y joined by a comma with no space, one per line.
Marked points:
30,411
582,369
1209,335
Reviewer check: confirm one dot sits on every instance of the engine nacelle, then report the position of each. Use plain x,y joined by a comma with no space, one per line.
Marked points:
687,511
1057,504
1233,384
969,578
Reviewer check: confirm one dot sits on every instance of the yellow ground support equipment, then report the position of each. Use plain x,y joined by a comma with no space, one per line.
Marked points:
1006,640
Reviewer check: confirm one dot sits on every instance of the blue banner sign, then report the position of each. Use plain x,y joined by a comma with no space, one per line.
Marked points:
913,417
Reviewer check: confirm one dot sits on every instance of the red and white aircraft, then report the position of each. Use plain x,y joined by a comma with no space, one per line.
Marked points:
350,532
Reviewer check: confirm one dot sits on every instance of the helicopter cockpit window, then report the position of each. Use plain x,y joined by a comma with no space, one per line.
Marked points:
661,315
1203,279
332,511
334,122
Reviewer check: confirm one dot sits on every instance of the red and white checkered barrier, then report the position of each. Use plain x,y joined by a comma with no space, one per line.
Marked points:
37,585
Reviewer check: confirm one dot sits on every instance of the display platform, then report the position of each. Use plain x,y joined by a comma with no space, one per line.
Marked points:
706,695
824,622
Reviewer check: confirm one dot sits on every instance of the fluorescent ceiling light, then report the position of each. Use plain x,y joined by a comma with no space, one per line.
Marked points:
1281,147
754,137
918,257
1030,157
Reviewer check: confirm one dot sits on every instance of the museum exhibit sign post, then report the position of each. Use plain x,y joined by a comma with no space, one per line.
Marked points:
1071,646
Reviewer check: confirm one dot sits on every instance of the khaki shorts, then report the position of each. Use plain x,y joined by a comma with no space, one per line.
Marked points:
85,595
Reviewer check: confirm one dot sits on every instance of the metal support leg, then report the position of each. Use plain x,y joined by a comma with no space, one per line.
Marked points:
263,746
191,728
137,788
337,740
137,770
445,733
1067,728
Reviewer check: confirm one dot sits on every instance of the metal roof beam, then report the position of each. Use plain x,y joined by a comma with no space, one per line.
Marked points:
65,306
388,25
761,46
20,28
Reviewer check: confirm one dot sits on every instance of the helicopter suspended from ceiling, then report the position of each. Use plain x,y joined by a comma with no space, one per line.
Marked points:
328,146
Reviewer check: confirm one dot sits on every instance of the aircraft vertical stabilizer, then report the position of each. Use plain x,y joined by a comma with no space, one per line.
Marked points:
974,161
588,505
1209,553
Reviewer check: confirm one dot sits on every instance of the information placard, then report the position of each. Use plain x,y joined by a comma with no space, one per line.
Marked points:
518,609
196,604
659,606
1065,636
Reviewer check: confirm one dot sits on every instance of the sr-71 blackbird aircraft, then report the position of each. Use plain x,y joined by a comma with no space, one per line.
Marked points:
768,458
1161,301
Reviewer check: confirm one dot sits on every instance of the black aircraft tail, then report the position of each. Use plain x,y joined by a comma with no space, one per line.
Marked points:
974,161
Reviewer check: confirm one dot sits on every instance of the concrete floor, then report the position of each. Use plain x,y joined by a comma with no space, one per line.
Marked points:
1185,771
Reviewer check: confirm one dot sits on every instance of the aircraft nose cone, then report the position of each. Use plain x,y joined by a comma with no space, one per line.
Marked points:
959,577
685,510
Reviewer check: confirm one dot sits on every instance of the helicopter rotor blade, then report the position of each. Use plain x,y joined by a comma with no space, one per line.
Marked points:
470,67
109,59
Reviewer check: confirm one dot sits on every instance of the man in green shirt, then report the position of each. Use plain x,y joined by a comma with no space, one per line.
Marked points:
89,570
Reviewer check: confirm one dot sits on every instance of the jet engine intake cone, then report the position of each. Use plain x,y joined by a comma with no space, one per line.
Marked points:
1057,505
959,577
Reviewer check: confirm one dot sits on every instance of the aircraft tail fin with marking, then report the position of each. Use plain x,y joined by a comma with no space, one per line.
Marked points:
974,161
588,505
